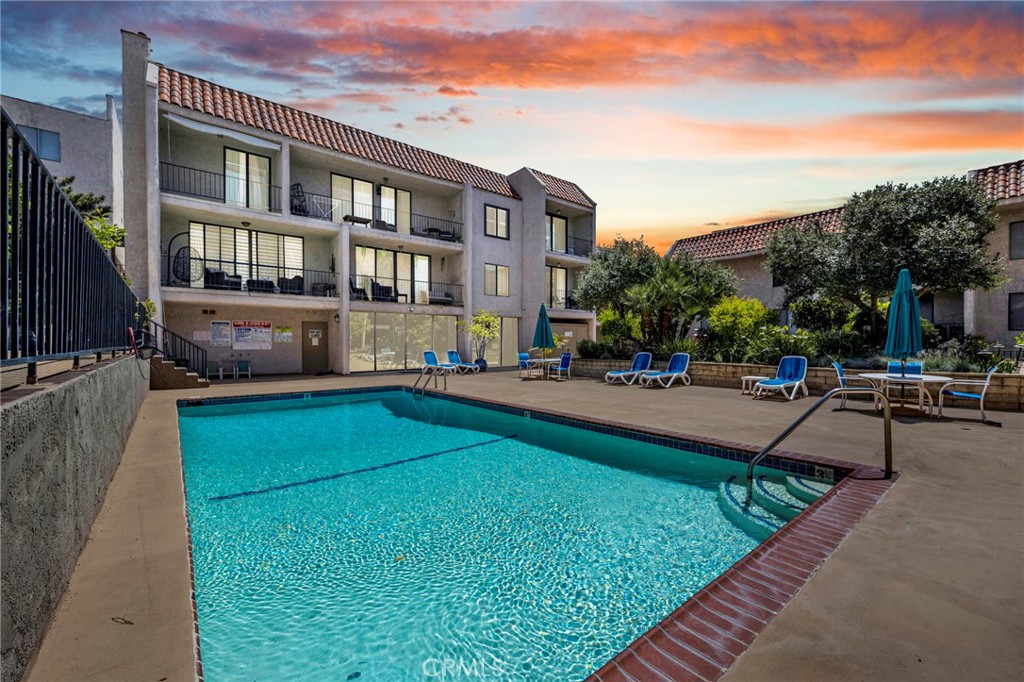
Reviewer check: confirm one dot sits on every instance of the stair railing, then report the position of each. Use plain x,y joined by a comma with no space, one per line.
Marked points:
174,347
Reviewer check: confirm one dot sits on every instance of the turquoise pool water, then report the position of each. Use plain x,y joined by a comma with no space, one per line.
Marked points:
350,538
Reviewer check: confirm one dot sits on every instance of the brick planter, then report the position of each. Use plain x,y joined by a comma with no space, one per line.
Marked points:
1005,393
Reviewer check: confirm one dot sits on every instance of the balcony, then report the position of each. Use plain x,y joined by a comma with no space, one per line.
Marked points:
182,270
322,207
231,191
561,300
389,290
574,246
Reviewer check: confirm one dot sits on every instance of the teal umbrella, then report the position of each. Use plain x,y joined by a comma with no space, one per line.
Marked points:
904,337
542,336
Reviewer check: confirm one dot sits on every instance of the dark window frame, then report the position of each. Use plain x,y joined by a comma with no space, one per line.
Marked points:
1016,249
496,288
508,217
248,175
34,136
549,232
394,265
251,246
1009,311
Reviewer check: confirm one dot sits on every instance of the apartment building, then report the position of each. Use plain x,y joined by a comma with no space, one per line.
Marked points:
996,314
274,235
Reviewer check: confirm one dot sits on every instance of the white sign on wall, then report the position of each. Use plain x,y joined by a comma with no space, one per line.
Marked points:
283,334
220,333
251,335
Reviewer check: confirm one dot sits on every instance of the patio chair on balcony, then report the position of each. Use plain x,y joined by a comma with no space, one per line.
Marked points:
356,293
291,285
298,200
440,298
259,286
641,364
463,367
383,293
218,279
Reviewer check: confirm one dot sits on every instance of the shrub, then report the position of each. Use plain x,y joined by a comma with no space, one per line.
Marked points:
839,345
771,344
615,327
592,349
733,325
820,314
668,348
931,337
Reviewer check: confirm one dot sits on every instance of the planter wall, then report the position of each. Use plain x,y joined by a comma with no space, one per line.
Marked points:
1005,393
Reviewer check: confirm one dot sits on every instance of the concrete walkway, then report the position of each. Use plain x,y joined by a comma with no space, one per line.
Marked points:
929,586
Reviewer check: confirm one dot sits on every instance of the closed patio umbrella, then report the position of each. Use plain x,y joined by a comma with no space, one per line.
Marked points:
904,337
543,338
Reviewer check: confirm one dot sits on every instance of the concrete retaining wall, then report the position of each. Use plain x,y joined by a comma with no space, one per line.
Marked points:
61,447
1005,393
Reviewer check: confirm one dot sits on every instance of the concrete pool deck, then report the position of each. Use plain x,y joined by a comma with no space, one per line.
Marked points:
928,586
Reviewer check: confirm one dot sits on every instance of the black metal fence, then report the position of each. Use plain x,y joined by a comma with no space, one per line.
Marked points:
574,246
62,296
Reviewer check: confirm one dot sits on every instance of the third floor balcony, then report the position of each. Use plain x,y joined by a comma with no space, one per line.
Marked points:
232,190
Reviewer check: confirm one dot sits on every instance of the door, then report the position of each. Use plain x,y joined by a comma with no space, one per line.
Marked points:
314,348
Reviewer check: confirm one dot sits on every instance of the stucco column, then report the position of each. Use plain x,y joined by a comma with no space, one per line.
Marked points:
285,173
342,268
469,234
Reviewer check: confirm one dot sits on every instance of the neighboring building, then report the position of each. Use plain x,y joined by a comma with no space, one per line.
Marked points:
73,144
997,314
271,234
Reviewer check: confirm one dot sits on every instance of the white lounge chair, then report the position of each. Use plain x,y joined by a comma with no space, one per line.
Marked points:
677,366
641,364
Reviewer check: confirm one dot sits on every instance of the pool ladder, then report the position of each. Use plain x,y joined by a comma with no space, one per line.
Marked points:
887,433
426,376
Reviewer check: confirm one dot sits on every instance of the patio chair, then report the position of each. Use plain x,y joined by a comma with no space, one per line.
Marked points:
844,382
463,367
563,366
677,366
214,368
432,366
966,395
791,374
641,364
524,365
243,367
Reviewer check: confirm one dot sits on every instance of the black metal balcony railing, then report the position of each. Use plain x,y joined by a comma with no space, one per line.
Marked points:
560,299
390,290
62,297
574,246
228,190
183,270
322,207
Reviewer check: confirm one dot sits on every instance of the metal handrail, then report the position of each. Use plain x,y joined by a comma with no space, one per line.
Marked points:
800,420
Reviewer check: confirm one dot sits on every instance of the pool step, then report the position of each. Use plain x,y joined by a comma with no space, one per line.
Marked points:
777,499
752,518
806,489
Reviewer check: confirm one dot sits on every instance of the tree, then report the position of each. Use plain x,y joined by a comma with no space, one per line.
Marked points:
611,271
95,213
682,290
484,326
937,229
85,202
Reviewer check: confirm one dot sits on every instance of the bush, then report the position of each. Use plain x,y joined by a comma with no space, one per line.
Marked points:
733,325
771,344
624,349
839,345
820,314
665,350
931,337
614,327
592,349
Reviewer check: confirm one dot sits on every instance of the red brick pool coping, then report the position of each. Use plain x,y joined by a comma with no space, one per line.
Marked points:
700,640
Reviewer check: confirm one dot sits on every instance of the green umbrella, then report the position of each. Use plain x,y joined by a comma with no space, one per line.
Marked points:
542,336
904,337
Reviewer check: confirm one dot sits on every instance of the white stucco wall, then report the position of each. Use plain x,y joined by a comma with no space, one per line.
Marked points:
987,312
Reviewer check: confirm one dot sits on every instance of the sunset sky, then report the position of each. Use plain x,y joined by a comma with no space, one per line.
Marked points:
677,118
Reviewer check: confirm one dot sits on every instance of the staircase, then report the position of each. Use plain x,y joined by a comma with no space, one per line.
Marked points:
177,362
771,504
167,374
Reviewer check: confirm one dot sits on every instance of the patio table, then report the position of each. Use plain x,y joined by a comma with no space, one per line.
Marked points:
542,364
918,381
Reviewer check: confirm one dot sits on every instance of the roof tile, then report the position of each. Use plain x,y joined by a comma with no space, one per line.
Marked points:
193,93
563,189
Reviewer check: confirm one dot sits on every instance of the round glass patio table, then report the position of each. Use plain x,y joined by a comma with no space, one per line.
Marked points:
917,381
542,364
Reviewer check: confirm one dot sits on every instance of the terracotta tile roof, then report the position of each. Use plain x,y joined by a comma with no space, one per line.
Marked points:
563,189
1005,181
736,241
199,95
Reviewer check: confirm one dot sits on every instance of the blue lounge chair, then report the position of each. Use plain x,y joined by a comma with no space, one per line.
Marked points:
432,366
641,364
966,395
562,367
844,382
463,367
677,366
791,373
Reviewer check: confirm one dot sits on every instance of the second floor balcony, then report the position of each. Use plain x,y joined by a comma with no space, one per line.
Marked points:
320,207
561,299
571,246
184,270
226,189
393,290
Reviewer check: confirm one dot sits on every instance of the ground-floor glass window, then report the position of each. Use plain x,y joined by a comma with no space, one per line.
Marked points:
390,341
503,351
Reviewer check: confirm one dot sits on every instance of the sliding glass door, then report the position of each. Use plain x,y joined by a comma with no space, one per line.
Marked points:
246,179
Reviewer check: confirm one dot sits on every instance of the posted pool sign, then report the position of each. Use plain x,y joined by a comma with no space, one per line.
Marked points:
251,334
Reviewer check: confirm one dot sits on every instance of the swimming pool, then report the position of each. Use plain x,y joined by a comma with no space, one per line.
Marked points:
377,536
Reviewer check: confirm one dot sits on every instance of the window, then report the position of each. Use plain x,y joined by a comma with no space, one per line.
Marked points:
350,196
496,222
45,143
1017,240
396,208
1016,306
387,341
404,274
555,287
504,350
555,233
247,254
246,179
495,280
